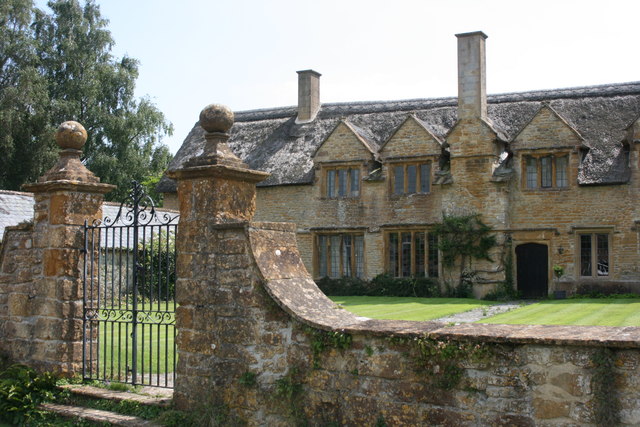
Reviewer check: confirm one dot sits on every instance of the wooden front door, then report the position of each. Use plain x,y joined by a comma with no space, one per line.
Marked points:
533,275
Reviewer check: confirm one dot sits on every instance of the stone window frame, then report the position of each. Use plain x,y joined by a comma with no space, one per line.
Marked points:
554,156
405,164
594,237
356,267
427,252
350,168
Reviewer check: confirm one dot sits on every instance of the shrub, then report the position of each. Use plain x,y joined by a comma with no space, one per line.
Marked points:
158,258
21,391
594,290
381,285
345,286
464,288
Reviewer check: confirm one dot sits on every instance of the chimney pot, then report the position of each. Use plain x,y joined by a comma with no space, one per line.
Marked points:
308,95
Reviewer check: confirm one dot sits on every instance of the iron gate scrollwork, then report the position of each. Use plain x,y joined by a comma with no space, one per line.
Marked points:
129,294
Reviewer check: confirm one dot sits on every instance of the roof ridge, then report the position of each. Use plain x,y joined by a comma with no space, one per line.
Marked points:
609,89
16,193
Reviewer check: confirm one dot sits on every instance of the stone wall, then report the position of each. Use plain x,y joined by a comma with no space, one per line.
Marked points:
20,264
260,340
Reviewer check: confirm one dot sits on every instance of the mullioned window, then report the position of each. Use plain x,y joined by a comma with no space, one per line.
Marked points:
546,171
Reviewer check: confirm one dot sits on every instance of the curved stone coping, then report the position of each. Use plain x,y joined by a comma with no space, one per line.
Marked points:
286,280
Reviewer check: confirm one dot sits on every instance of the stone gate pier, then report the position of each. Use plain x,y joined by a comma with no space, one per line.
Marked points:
260,343
41,263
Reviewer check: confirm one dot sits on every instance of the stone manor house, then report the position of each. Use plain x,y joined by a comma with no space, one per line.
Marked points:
554,173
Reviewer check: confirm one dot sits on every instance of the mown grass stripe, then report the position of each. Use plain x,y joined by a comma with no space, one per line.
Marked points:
579,312
407,308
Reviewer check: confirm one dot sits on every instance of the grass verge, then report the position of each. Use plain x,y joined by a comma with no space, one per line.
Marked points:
407,308
583,312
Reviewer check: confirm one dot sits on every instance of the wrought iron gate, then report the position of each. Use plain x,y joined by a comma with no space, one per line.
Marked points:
128,294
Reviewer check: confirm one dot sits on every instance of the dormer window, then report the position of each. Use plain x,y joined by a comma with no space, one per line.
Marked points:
546,171
342,182
411,178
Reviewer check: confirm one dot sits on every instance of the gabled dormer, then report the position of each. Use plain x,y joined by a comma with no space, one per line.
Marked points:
409,156
547,151
346,143
343,158
411,139
547,130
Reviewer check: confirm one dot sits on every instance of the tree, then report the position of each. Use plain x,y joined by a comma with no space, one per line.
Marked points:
464,238
26,142
66,57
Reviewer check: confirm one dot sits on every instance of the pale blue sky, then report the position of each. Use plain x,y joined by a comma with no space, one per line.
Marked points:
245,53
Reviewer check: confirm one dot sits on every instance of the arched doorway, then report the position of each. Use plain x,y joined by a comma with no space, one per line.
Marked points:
533,275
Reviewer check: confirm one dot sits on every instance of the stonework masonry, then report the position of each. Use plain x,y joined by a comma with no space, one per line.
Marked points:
41,263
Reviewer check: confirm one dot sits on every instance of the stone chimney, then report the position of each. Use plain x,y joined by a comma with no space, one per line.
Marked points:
472,85
308,95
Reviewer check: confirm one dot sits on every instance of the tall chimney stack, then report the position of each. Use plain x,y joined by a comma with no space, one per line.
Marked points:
308,95
472,85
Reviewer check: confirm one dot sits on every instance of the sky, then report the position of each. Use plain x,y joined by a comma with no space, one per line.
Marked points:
245,53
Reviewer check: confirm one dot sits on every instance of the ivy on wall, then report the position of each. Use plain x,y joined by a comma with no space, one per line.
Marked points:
607,404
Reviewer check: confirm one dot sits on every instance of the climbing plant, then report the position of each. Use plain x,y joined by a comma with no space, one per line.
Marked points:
463,239
607,403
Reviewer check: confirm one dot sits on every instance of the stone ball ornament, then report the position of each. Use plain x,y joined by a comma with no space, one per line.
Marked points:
216,118
71,135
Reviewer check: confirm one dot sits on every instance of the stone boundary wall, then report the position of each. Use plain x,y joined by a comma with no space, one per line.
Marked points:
20,263
262,341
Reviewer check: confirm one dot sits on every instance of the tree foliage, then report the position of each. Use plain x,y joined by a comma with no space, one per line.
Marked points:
57,66
463,239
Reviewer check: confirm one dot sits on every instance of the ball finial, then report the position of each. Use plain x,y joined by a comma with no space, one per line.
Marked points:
71,135
216,118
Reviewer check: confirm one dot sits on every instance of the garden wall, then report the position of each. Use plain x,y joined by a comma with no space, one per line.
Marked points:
261,341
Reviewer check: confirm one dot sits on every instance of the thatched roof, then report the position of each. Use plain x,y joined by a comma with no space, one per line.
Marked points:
269,140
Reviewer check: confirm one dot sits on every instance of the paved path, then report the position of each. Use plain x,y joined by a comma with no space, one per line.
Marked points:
477,314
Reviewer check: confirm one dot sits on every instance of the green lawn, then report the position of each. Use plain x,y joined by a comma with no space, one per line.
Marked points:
601,312
407,308
154,349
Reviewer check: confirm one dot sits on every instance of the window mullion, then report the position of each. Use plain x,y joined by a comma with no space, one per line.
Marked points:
412,268
399,243
353,257
594,255
406,179
341,264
